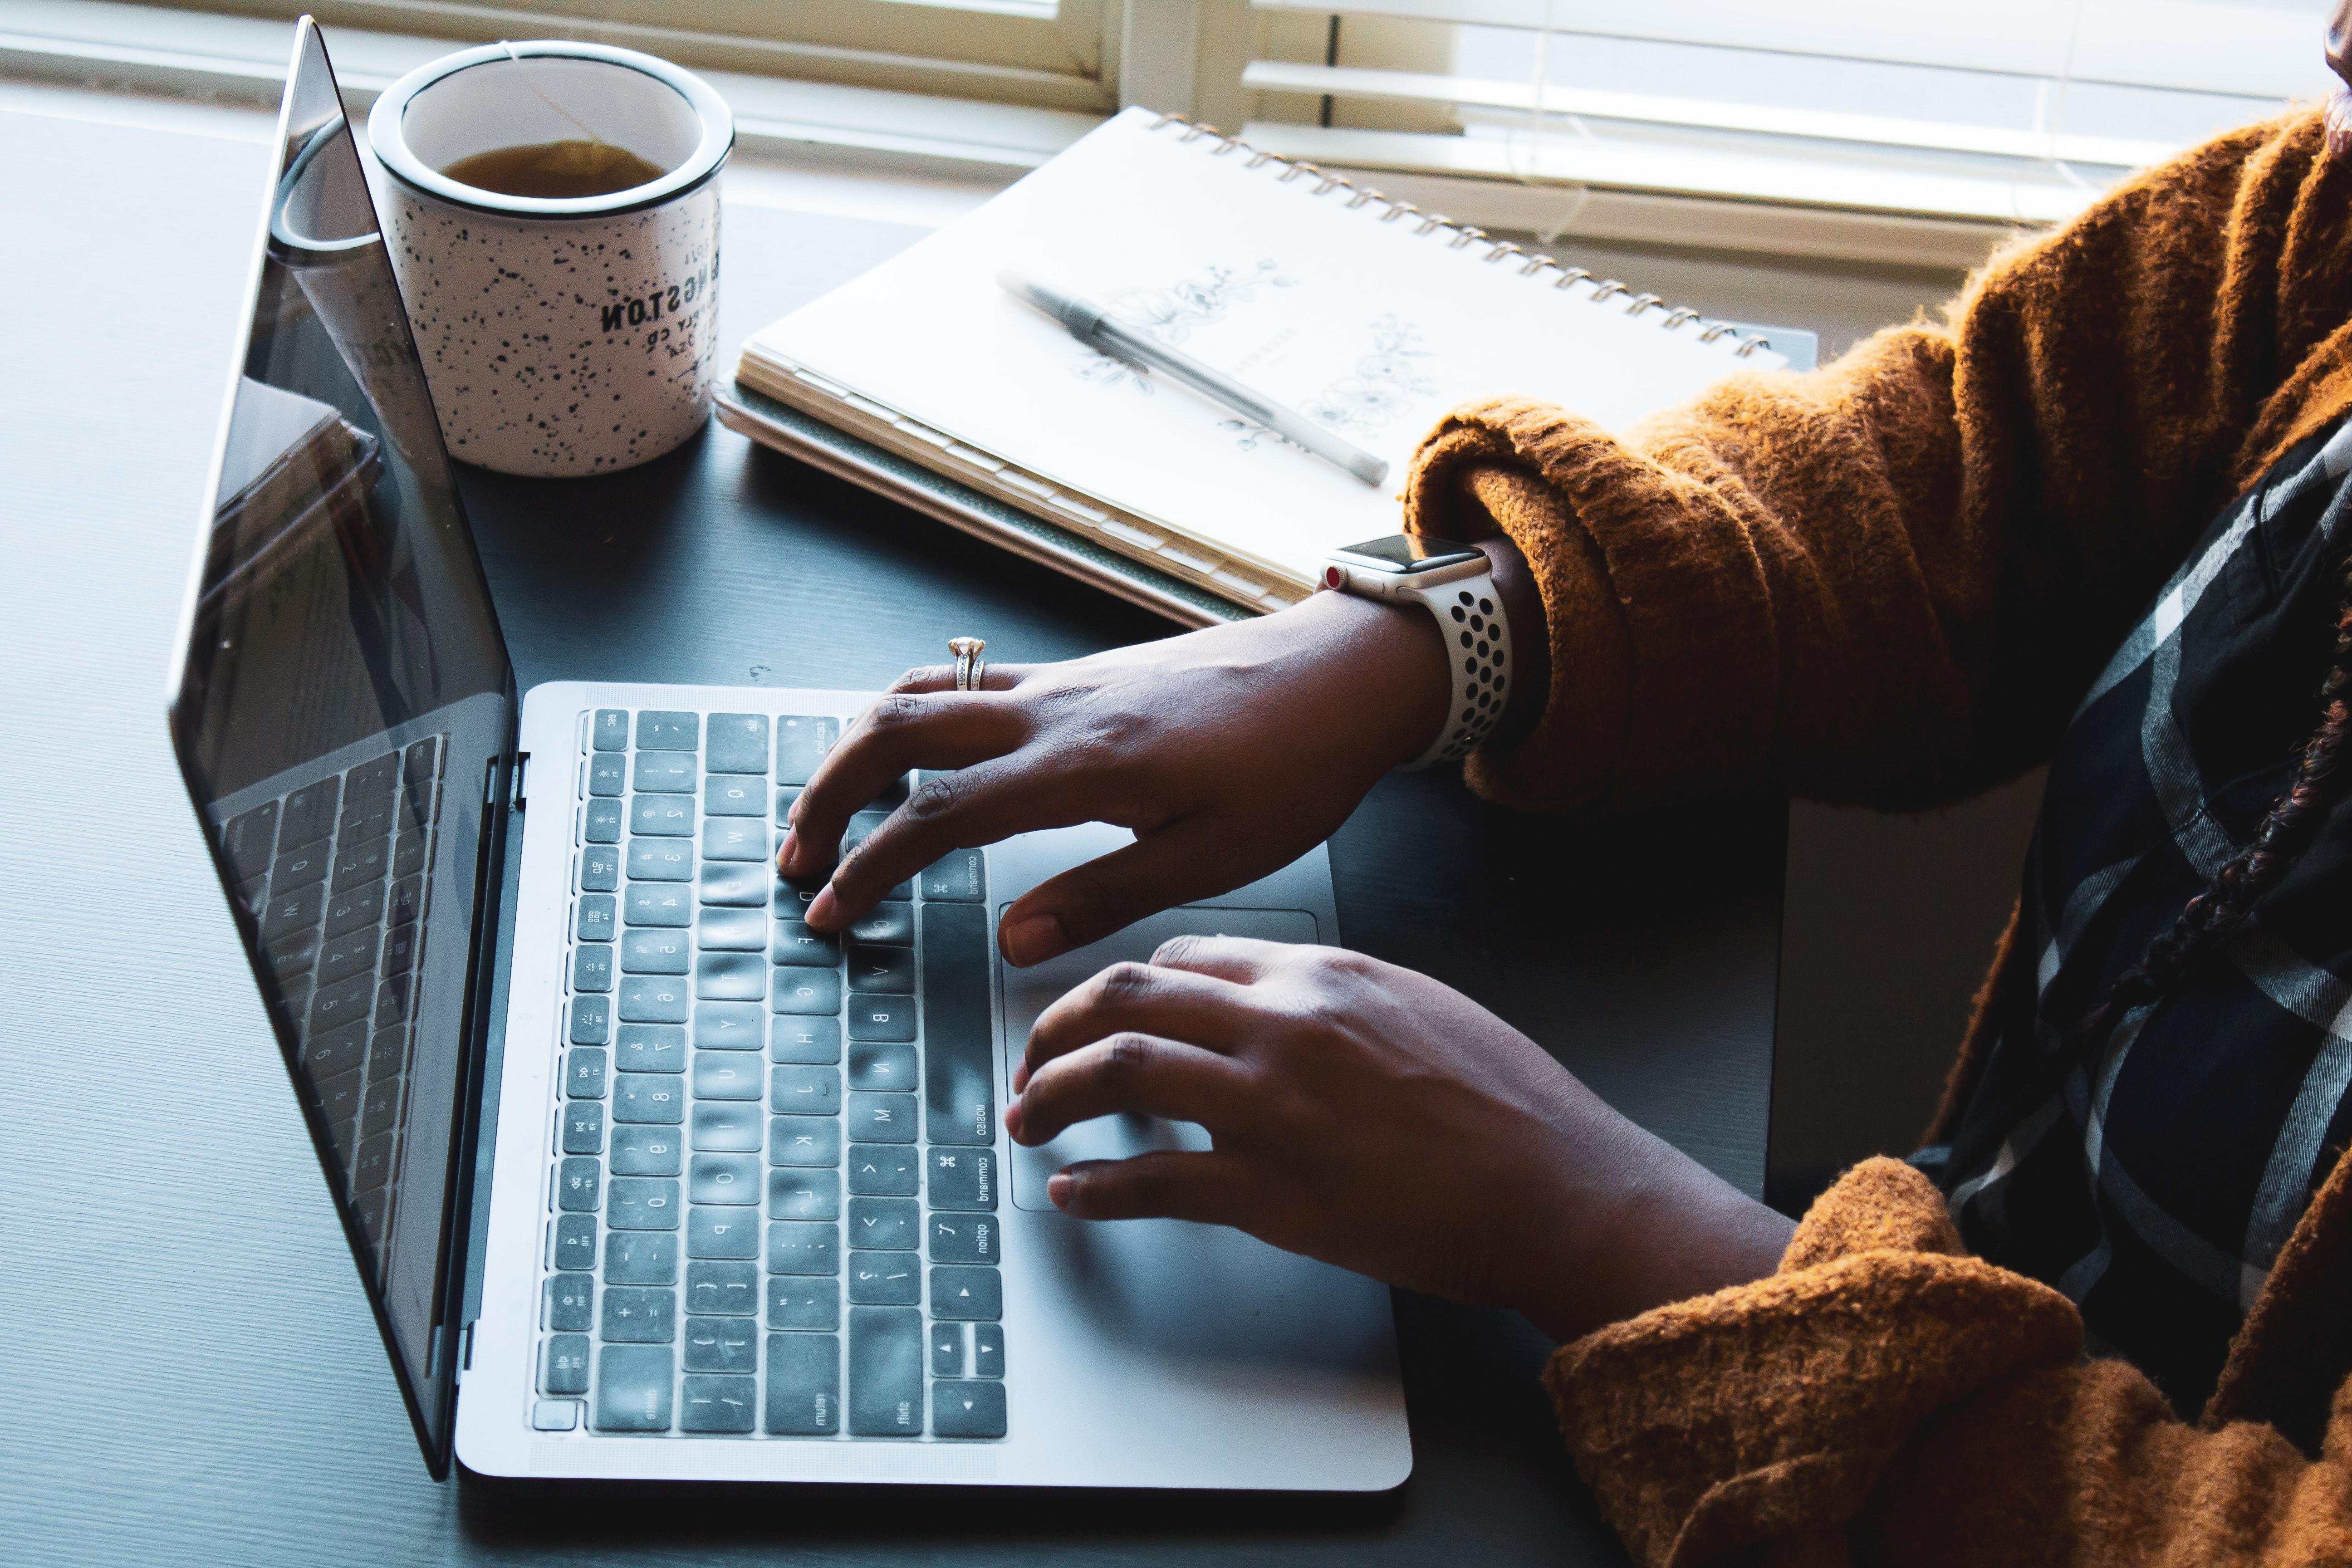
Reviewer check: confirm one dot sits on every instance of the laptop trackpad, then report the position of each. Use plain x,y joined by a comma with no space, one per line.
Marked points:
1029,992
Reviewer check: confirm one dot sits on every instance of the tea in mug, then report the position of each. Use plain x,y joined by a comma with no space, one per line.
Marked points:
555,171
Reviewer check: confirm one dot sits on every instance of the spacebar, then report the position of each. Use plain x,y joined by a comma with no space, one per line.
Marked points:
958,1077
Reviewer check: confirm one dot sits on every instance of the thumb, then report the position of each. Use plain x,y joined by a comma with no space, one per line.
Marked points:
1185,860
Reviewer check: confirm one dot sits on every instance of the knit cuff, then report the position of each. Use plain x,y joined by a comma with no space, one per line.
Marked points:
1766,1412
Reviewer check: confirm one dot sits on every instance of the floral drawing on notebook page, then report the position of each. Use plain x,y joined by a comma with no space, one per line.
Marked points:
1170,313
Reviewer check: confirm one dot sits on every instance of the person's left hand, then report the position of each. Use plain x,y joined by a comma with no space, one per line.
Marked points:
1371,1117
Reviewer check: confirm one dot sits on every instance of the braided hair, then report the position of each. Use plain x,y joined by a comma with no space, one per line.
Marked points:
2227,902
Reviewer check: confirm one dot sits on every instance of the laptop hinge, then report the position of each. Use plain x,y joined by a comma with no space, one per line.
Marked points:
520,789
464,1352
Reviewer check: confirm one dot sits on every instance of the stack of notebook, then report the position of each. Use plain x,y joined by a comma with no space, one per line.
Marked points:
925,380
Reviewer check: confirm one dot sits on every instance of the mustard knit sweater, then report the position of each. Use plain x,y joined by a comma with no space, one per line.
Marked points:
1889,581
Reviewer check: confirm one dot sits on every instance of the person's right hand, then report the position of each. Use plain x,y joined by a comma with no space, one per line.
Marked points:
1229,752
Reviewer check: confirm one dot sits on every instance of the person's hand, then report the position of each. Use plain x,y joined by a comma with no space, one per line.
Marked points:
1372,1116
1229,752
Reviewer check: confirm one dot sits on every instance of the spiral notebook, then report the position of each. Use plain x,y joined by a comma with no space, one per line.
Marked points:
1367,314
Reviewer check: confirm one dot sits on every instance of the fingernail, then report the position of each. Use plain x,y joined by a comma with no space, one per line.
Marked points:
1033,939
820,909
1012,1116
788,854
1060,1187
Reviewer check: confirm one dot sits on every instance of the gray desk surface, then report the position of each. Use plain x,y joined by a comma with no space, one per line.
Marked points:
191,1372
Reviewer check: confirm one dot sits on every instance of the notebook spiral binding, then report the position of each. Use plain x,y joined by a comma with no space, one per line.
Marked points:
1603,289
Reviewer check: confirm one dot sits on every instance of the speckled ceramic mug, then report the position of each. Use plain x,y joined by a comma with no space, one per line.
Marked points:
560,337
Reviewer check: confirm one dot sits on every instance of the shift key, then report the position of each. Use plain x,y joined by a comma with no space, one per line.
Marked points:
886,1372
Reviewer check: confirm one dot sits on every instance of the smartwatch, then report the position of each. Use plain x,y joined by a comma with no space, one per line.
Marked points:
1455,583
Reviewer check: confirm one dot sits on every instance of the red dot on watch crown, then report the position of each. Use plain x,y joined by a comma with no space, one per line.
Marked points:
1333,577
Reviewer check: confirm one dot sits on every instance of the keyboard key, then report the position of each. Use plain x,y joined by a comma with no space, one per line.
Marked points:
641,1202
564,1364
728,1025
892,925
406,902
730,977
804,1397
380,1110
665,772
881,1118
300,868
392,1002
363,862
881,1017
596,918
721,1232
655,950
784,798
801,744
661,817
370,780
387,1054
736,885
795,945
600,869
962,1179
794,1194
886,1278
724,1128
570,1306
886,1372
809,993
661,861
968,1409
884,1225
718,1404
337,1051
643,1150
722,1345
723,1289
641,1257
805,1090
881,1065
579,1181
988,1349
811,1141
584,1073
420,764
592,966
249,841
962,1238
794,1248
724,796
813,1040
653,999
290,915
794,896
882,1170
607,775
555,1415
666,731
723,1179
960,878
633,1388
661,905
408,855
977,1294
796,1301
649,1048
584,1127
731,930
575,1241
291,959
399,950
738,743
308,813
371,1166
859,828
726,1075
608,730
637,1315
947,1349
958,1066
655,1097
601,824
365,819
736,838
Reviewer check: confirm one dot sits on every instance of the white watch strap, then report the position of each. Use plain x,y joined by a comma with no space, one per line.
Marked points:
1477,644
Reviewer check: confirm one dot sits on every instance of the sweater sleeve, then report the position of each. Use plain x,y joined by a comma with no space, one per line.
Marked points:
1883,1398
1888,581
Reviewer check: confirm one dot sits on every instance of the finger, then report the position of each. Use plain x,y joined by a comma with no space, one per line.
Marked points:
974,805
944,729
1193,858
1212,1188
941,678
1142,1074
1241,958
1196,1008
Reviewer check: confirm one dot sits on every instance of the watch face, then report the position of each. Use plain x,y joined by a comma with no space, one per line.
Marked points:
1408,552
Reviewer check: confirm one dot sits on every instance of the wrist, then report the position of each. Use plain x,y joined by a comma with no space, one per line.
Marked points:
1396,665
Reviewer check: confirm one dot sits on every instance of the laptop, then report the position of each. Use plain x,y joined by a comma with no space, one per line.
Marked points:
643,1178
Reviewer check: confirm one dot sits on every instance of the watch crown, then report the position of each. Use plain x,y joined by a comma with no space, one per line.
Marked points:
1335,578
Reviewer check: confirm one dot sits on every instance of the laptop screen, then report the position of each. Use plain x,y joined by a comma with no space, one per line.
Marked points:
342,693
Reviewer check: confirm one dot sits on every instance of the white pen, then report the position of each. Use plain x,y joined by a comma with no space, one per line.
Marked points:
1092,326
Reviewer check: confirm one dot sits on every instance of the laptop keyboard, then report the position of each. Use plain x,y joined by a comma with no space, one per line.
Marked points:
336,874
772,1198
